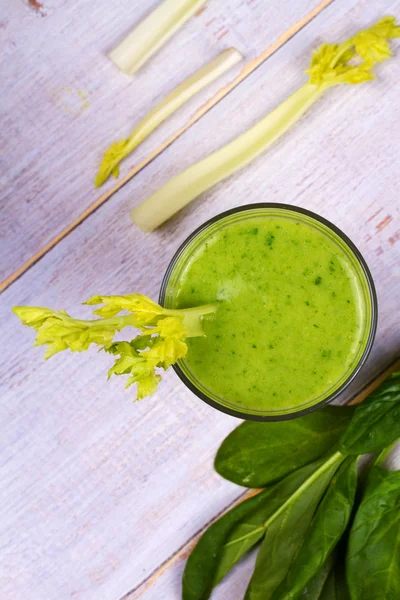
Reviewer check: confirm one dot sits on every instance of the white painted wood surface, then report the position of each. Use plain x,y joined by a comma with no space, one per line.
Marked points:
66,102
97,493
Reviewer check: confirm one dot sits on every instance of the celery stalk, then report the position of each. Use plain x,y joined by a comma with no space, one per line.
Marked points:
186,186
331,65
152,33
168,106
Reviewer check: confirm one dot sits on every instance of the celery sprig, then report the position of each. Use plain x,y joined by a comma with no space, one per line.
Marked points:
160,344
191,86
351,62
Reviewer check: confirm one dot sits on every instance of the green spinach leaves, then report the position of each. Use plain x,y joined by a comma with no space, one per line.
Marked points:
329,524
307,520
286,529
373,560
228,539
257,454
376,421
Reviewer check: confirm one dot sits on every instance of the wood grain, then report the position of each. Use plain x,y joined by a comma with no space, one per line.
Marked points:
100,493
66,102
177,561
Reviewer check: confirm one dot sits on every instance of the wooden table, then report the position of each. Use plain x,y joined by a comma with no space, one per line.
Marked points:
98,495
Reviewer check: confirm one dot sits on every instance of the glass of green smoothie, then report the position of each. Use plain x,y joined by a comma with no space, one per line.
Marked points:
297,311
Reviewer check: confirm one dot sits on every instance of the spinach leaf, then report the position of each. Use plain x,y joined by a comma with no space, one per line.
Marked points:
373,559
335,588
376,421
227,540
328,526
313,589
249,531
329,589
286,529
200,569
257,454
341,588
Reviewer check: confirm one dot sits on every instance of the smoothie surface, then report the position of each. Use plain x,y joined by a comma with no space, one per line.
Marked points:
290,319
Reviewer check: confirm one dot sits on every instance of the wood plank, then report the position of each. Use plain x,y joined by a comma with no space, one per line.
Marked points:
78,102
170,573
99,492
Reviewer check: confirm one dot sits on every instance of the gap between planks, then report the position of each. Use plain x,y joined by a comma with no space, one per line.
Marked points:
183,552
249,68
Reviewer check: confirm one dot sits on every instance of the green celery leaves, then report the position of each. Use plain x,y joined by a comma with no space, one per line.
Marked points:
160,344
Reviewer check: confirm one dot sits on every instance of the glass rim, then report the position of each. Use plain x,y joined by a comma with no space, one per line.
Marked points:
371,288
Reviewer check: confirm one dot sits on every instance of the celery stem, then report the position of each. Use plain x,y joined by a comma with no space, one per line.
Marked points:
152,33
189,184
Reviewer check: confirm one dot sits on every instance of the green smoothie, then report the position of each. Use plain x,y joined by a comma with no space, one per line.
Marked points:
293,312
